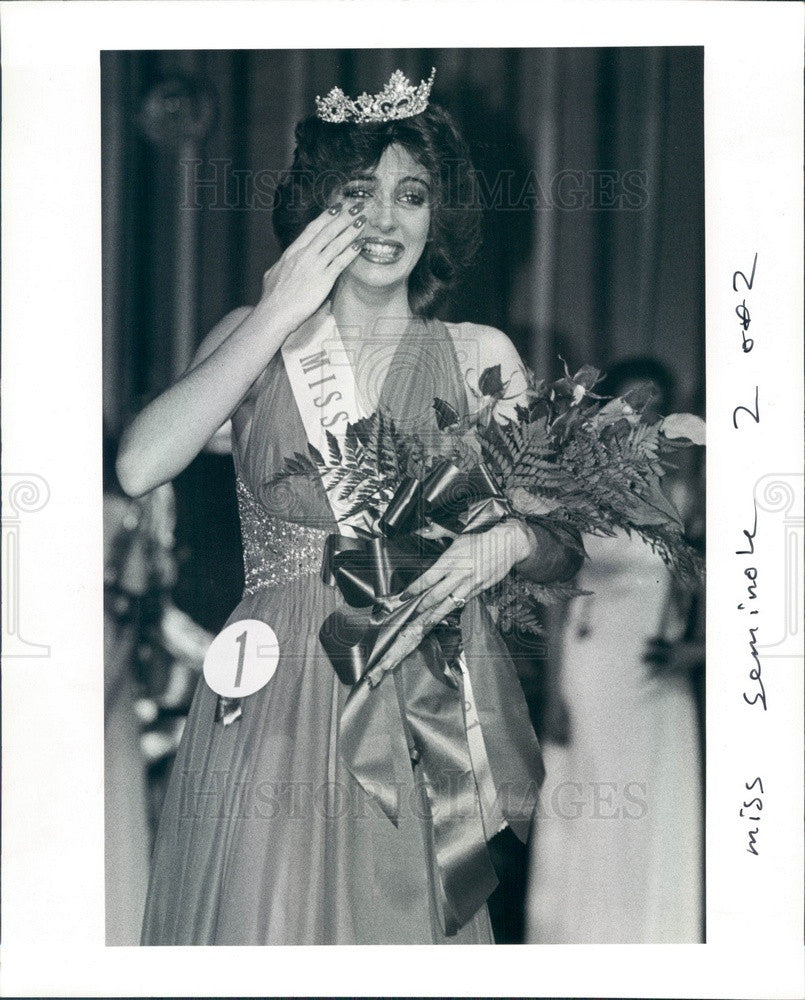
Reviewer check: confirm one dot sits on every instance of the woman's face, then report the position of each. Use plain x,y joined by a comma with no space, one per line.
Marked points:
396,200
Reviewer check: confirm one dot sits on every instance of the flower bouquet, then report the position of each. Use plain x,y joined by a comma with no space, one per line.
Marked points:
570,460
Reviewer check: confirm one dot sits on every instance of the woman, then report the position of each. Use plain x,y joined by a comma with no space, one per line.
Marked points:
617,851
266,837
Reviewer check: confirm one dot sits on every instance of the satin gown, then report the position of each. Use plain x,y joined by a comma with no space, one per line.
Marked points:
265,837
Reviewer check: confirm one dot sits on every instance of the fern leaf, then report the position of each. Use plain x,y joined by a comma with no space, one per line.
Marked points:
334,451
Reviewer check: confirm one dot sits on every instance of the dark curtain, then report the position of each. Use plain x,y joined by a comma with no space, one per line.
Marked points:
591,169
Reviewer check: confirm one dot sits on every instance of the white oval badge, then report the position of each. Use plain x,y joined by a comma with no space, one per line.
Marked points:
242,658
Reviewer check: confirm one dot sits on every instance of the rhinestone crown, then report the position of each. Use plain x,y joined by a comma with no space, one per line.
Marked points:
398,99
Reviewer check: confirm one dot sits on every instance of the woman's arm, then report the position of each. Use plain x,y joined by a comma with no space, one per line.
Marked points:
168,434
546,555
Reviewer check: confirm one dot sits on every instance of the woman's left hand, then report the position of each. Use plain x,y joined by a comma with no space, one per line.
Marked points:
471,565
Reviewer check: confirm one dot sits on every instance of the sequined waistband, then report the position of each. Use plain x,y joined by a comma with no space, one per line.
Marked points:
275,551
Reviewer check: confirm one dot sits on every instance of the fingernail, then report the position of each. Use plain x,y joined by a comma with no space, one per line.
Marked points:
405,596
355,209
335,209
359,221
356,245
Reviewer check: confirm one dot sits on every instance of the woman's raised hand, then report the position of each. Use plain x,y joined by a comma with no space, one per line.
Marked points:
304,275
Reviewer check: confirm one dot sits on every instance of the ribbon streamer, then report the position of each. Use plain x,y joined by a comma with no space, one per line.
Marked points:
438,729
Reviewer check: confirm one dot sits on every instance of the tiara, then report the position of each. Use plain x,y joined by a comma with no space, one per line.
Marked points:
398,99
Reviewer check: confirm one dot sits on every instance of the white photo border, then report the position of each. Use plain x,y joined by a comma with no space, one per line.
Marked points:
52,833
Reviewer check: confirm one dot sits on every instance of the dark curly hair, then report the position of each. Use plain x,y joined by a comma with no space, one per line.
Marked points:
327,155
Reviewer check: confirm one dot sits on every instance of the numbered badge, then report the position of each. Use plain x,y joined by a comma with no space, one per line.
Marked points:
242,659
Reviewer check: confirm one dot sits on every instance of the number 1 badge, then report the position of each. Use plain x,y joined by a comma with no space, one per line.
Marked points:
242,658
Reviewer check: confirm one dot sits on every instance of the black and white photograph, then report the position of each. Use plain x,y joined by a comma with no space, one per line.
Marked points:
421,457
437,349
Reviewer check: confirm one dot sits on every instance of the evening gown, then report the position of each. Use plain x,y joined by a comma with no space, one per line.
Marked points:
617,846
265,837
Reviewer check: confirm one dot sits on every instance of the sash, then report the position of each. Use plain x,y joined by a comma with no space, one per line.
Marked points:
323,384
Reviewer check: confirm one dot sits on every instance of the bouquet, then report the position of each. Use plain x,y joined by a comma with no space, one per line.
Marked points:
571,461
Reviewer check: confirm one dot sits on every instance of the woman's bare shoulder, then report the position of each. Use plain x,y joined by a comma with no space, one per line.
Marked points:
489,344
479,347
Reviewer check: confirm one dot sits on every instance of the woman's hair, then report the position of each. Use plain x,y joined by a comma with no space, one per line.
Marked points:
328,155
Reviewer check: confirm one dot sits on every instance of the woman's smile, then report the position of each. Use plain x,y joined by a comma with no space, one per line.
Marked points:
381,251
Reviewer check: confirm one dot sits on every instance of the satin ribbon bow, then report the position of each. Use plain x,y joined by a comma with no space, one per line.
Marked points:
389,552
438,715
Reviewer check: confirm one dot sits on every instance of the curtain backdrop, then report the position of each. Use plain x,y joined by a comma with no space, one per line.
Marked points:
591,166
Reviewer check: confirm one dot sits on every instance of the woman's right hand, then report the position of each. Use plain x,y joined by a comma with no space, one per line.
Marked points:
303,277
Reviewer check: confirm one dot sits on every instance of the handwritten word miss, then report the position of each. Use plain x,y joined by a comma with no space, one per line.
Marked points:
753,805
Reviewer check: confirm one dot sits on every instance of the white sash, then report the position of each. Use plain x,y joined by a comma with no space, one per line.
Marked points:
323,384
